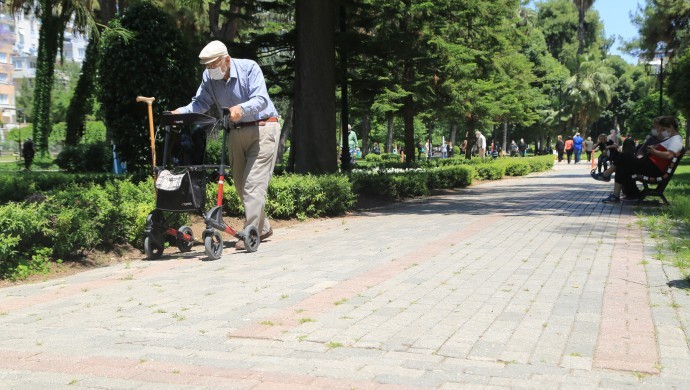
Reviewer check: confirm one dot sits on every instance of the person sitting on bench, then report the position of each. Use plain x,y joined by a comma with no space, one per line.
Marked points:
654,163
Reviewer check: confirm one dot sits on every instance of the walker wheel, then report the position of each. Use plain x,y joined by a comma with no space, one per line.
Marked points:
184,245
152,250
251,239
214,245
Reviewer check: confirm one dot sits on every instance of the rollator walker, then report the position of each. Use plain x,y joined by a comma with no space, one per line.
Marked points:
180,187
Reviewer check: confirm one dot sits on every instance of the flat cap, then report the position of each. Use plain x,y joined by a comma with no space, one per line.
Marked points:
212,52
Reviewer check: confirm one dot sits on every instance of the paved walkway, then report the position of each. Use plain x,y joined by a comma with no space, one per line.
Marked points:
526,282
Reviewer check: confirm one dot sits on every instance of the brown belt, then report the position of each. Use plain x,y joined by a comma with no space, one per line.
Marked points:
256,123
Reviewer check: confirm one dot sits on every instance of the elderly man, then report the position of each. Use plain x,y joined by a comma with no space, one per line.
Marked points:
239,85
481,144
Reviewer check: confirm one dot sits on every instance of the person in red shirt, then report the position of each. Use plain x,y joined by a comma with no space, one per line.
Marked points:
569,148
653,164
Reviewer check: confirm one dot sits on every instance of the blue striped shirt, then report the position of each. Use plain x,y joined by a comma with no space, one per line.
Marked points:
245,86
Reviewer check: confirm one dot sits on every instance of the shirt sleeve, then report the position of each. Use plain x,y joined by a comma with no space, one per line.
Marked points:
258,95
201,102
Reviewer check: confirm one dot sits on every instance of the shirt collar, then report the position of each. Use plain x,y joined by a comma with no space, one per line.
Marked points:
233,70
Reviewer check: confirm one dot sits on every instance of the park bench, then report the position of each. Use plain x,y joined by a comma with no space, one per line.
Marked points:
660,182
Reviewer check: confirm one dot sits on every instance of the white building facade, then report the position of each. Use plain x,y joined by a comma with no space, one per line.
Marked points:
19,50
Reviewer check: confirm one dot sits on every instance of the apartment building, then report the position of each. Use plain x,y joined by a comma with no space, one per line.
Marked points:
18,54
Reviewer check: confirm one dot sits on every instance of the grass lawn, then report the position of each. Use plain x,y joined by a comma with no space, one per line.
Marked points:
9,163
672,224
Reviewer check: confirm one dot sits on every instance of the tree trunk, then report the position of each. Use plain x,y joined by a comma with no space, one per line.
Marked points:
471,136
228,31
345,158
315,88
285,132
505,136
580,33
453,133
366,128
389,139
408,113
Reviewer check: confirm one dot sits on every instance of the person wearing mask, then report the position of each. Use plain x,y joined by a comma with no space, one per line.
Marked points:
652,139
653,164
239,85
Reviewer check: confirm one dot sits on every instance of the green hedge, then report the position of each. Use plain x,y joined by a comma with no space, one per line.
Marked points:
71,222
293,196
15,187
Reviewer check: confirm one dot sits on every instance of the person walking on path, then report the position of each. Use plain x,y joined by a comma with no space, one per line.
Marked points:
28,151
239,85
560,148
577,147
589,147
481,144
352,144
569,148
522,147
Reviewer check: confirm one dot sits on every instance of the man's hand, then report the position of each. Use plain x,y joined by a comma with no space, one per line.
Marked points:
236,113
174,112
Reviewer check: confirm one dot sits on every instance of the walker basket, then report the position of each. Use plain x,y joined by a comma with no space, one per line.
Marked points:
184,190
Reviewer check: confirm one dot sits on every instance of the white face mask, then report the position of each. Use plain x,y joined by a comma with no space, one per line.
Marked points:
216,73
654,132
665,134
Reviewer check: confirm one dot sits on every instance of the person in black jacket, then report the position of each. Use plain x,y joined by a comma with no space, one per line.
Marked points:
28,152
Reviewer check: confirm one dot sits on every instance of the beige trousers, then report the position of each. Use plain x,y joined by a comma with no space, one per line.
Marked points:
253,152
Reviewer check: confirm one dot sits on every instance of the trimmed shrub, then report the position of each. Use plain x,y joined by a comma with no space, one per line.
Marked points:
294,196
451,176
373,157
92,157
519,168
490,172
391,185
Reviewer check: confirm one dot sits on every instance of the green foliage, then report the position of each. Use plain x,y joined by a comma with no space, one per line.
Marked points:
679,83
81,103
22,228
490,171
18,187
95,132
373,157
91,157
391,185
518,169
157,61
294,196
452,176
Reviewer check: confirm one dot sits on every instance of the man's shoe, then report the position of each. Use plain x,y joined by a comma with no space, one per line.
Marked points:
611,199
264,236
239,245
601,177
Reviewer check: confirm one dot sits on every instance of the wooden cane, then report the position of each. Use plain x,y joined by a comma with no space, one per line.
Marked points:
149,102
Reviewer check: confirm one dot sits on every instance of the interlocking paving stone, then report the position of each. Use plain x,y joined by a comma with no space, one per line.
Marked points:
506,284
